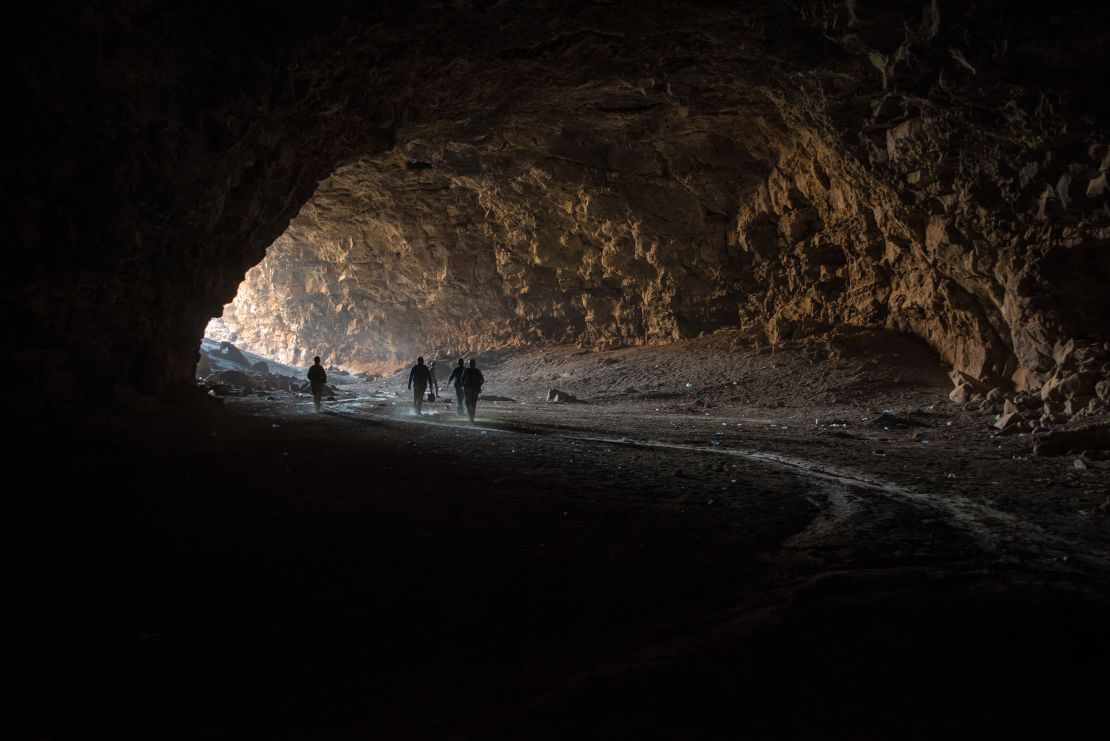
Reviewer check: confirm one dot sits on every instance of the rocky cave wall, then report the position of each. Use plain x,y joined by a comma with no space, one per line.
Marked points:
479,175
606,211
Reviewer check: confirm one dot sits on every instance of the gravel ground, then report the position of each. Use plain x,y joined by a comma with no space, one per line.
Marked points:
766,552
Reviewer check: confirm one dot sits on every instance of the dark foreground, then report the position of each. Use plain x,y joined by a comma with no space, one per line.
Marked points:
289,575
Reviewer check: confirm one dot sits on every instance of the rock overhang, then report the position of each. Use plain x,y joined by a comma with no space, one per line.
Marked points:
602,174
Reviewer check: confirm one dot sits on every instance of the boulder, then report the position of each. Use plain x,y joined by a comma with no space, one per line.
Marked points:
1061,442
555,395
962,393
1077,385
959,377
1094,407
1102,389
1010,423
229,378
261,367
1064,385
234,354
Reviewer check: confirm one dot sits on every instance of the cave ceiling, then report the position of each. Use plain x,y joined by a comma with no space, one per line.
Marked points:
468,176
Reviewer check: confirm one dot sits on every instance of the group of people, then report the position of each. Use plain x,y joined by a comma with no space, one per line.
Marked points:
467,382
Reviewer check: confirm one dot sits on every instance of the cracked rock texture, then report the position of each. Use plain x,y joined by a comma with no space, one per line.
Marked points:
472,176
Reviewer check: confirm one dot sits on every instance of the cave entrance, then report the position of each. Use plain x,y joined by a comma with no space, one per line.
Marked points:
616,231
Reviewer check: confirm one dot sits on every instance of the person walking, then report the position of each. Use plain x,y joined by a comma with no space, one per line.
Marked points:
317,377
472,381
419,378
433,383
456,381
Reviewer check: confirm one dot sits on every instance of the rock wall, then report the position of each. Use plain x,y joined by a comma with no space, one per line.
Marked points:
915,193
474,176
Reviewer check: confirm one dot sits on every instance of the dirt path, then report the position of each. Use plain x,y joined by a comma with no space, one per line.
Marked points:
998,534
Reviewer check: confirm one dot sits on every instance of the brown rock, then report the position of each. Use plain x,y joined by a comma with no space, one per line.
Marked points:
1093,407
564,178
234,378
961,394
1077,385
1102,388
1060,442
234,354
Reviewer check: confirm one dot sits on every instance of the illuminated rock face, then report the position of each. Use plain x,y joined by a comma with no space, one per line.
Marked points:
601,175
604,234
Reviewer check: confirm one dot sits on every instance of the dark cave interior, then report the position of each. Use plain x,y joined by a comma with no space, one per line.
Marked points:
797,336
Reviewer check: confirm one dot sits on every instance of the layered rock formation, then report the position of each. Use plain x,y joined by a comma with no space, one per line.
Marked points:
596,173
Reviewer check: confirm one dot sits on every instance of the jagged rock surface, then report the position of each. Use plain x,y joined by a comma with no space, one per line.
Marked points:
602,174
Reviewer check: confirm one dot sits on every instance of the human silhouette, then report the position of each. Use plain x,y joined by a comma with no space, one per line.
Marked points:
419,378
433,382
472,381
456,381
317,377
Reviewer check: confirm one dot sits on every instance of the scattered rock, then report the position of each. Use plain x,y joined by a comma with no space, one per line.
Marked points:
234,354
234,378
1010,423
1078,385
1061,442
1102,389
962,393
1093,408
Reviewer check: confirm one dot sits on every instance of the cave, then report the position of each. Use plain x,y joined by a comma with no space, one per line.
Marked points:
795,332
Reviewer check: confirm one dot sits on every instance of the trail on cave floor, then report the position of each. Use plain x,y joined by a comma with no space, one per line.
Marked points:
1005,537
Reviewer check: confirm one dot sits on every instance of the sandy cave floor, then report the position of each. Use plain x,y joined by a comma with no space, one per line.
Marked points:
763,552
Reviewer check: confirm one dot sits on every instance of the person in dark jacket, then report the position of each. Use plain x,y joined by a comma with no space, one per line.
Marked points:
455,381
433,382
472,381
419,379
317,377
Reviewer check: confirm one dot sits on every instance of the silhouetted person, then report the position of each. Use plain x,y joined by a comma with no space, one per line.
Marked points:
456,381
419,378
472,381
433,382
317,378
